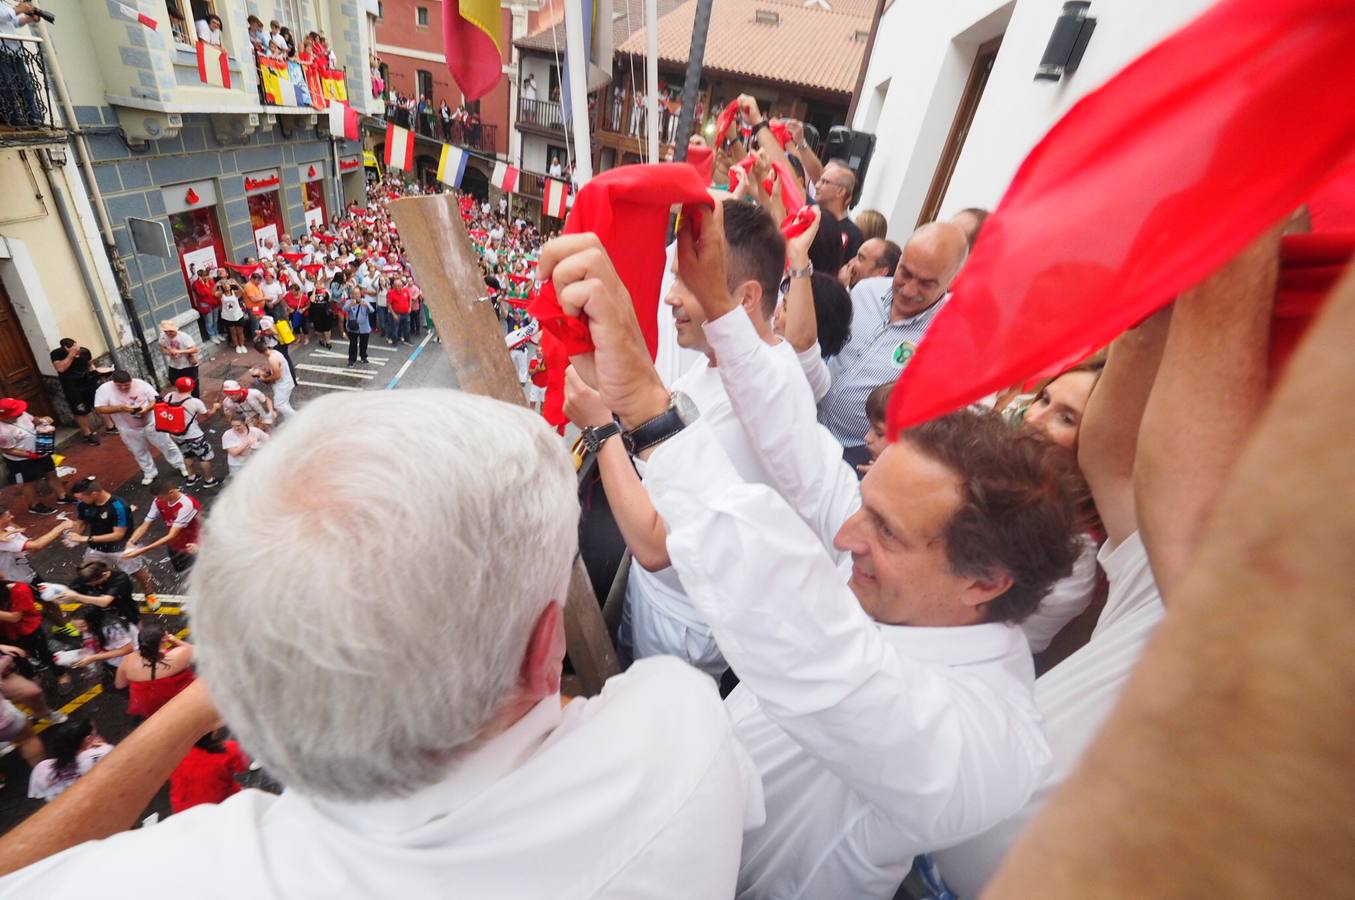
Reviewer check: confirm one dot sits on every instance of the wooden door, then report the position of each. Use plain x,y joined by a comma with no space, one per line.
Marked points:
19,375
959,129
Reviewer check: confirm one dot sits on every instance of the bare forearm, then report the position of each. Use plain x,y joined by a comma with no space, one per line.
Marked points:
635,515
1109,435
1232,742
112,795
801,326
1209,390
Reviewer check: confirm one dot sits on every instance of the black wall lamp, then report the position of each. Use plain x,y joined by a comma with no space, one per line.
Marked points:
1066,45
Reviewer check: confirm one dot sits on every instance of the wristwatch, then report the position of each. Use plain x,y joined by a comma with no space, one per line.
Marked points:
801,273
594,436
680,413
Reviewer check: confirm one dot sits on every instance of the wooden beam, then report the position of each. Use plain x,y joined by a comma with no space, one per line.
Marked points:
447,270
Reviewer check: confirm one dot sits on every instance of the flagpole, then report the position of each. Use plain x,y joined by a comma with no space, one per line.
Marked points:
652,75
577,61
338,179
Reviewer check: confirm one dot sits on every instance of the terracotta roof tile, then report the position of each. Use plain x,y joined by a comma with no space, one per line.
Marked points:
809,46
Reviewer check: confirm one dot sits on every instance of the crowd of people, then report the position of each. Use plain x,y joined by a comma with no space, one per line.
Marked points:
831,634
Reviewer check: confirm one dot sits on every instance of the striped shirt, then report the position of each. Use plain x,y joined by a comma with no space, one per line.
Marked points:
874,355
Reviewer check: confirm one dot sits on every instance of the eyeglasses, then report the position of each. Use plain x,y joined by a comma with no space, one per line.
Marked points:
822,181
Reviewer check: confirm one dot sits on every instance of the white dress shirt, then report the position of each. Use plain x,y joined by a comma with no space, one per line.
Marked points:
659,617
1075,697
1065,601
874,742
641,792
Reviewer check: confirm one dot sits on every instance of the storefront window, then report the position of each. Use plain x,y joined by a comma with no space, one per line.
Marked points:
313,200
197,238
265,218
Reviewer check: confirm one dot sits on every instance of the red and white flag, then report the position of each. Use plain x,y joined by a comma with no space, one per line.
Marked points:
135,15
213,68
553,198
343,121
399,148
505,178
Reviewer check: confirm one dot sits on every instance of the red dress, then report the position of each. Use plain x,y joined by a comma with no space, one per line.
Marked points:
206,777
145,697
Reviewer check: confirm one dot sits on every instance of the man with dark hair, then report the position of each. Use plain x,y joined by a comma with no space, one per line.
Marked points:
105,521
877,257
657,617
886,693
180,514
75,370
129,401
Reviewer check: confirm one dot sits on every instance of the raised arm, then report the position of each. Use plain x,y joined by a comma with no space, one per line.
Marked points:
640,525
770,395
801,326
1209,391
1109,436
1232,741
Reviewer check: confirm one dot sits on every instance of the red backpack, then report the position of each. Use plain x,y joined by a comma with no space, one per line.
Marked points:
170,418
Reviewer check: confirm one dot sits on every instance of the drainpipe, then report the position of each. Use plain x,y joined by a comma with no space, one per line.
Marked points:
77,137
65,210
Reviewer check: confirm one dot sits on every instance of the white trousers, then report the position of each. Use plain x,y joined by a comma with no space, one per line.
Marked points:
282,398
140,441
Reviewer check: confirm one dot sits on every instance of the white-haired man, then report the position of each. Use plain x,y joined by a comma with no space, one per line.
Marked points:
422,738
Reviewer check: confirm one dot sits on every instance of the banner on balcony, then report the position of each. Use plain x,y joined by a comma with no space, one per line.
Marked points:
268,78
505,178
297,75
452,165
315,85
213,67
553,198
399,148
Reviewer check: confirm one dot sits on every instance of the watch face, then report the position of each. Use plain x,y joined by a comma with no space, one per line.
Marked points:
687,410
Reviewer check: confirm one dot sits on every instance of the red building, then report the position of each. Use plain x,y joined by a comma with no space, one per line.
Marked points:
409,44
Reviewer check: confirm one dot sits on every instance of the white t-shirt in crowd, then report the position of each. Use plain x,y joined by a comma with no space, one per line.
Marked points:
625,795
18,438
272,290
194,410
232,310
45,784
14,564
232,439
180,341
1075,698
139,394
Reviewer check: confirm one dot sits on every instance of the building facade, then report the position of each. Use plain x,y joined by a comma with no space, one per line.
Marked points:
798,60
219,158
950,94
412,64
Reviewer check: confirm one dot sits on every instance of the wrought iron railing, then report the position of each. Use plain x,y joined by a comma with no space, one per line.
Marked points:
25,98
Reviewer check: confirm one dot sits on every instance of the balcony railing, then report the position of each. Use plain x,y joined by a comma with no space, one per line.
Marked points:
25,98
306,85
474,135
541,113
531,184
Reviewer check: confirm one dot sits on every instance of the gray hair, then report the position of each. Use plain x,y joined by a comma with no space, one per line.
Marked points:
367,585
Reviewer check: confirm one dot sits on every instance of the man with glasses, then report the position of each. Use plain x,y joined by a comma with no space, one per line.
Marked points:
889,318
833,191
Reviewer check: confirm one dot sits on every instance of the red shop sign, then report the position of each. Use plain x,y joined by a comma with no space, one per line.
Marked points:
253,184
348,165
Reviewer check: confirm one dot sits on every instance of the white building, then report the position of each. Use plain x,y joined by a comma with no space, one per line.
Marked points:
951,95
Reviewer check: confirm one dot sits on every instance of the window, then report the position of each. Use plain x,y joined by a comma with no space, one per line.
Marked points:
423,84
421,16
959,129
